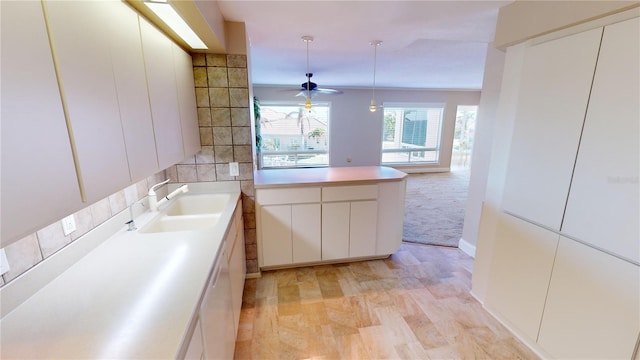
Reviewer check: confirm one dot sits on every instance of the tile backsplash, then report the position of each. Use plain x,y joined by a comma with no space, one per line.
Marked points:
27,252
224,118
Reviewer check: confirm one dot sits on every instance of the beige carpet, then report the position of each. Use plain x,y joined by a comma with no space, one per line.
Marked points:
434,207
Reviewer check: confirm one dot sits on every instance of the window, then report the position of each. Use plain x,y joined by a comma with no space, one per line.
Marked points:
411,133
293,136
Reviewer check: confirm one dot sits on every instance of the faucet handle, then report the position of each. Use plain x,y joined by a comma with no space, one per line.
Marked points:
152,190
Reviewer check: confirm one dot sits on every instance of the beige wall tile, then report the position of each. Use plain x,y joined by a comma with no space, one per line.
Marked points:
246,171
206,136
222,172
187,173
251,251
52,239
205,155
118,202
239,97
22,255
142,189
202,97
216,60
223,154
206,172
250,236
248,202
249,220
252,266
101,211
242,153
217,77
247,187
242,135
200,77
84,220
172,174
220,117
1,281
198,60
219,97
238,77
240,117
237,61
222,135
204,117
189,160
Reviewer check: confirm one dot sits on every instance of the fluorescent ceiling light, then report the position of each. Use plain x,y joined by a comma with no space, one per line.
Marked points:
168,14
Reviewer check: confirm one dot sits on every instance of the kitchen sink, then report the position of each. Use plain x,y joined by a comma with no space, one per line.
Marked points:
181,223
198,204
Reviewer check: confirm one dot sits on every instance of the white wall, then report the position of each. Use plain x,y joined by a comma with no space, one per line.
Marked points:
482,143
501,144
356,133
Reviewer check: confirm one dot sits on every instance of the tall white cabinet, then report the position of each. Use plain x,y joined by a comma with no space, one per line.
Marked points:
36,152
565,274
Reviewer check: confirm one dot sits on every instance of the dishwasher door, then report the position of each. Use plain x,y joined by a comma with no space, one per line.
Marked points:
216,315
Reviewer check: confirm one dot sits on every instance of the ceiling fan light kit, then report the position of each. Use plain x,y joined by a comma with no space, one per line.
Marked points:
375,43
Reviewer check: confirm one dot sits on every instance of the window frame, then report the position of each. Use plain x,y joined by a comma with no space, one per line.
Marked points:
295,153
437,148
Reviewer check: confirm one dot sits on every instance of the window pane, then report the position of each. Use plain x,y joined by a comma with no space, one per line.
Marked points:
411,134
293,136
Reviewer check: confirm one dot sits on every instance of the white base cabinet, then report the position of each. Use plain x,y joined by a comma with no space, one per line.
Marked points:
304,225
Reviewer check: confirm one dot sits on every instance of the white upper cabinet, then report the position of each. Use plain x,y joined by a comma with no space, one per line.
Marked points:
38,175
187,101
86,75
131,85
603,202
163,94
552,101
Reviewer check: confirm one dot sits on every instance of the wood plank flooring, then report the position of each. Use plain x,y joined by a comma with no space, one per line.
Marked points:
413,305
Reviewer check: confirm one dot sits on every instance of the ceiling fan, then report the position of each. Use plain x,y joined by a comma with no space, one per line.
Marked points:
310,89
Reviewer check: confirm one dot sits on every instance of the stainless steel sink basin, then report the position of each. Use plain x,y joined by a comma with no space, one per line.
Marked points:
198,204
181,223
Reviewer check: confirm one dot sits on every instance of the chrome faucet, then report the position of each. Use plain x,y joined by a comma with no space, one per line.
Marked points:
131,223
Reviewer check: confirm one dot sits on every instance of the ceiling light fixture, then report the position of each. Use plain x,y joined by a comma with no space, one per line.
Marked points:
375,43
169,16
307,103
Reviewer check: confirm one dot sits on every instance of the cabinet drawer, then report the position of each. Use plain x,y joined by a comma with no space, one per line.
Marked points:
346,193
287,196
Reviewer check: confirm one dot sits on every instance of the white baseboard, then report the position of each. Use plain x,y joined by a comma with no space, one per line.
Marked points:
467,248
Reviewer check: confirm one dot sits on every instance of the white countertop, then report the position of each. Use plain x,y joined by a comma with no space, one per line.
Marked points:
133,296
325,176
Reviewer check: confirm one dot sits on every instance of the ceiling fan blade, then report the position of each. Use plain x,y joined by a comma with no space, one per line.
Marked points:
328,91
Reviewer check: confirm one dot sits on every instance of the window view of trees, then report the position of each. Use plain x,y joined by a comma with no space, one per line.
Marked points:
293,136
463,136
411,134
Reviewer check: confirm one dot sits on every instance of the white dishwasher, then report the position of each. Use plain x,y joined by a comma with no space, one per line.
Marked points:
216,315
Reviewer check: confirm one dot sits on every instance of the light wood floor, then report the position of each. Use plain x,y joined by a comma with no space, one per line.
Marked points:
413,305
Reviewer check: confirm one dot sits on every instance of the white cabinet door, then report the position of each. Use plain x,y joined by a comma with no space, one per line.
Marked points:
305,232
520,273
603,202
216,314
163,94
187,101
335,230
552,102
86,73
237,266
363,228
196,347
39,183
592,310
276,243
131,85
391,196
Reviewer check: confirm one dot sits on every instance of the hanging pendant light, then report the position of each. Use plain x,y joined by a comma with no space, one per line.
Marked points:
375,43
307,102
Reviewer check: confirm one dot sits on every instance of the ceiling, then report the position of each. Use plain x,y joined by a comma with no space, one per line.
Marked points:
426,44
